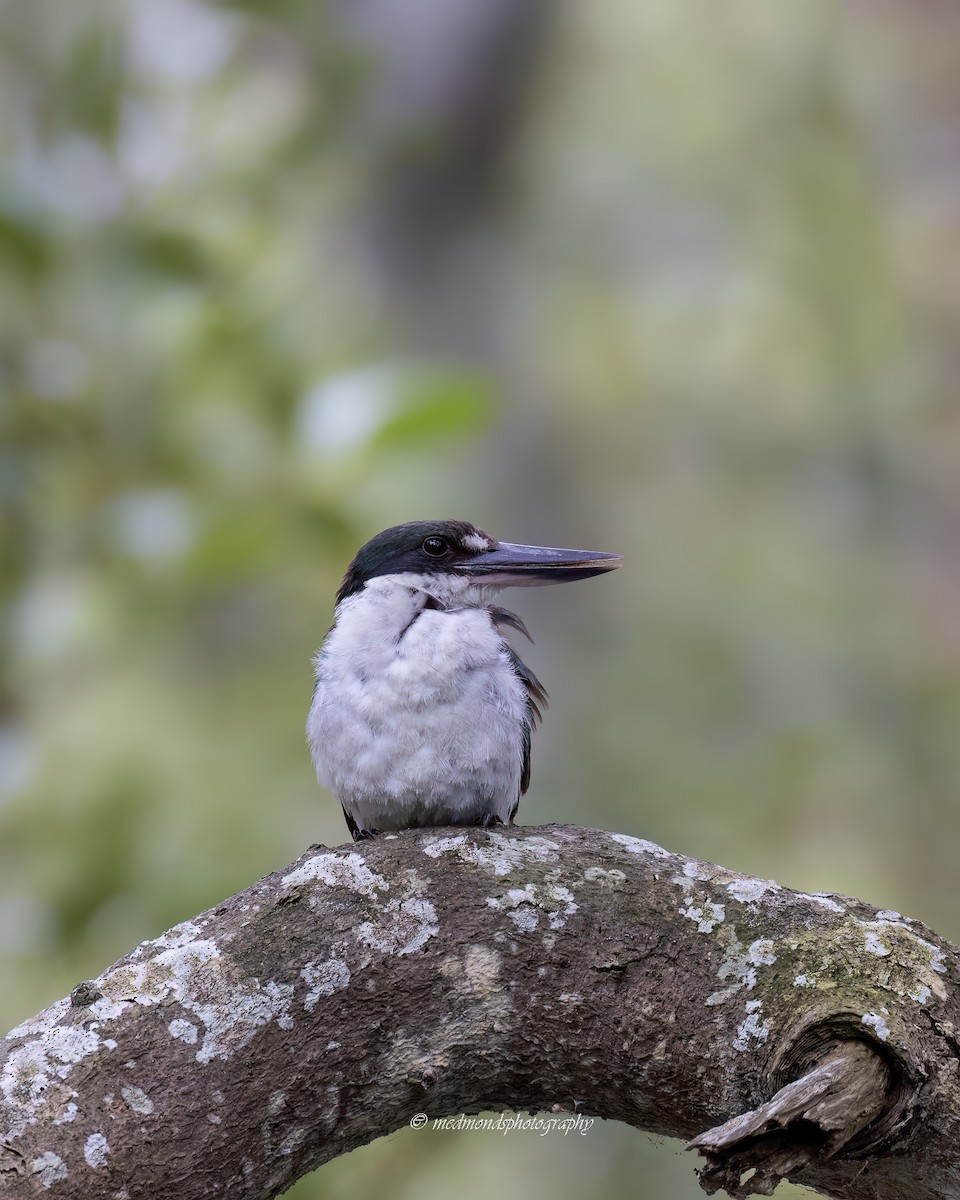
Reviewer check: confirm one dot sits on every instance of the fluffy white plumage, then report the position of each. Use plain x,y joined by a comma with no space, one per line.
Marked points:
419,716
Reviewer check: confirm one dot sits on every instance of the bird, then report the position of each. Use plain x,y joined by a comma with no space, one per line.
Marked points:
422,711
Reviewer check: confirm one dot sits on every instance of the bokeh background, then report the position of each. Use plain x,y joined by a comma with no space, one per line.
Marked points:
672,278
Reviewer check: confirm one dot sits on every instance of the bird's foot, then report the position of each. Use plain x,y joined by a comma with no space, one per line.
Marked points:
361,835
488,819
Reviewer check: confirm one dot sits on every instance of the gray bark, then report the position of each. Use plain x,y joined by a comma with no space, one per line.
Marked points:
449,971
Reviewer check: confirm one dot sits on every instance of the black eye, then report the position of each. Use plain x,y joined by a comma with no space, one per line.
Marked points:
436,547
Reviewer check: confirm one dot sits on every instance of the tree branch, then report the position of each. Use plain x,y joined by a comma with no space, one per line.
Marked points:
448,971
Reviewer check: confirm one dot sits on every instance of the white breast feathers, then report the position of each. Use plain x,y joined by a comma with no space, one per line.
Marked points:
419,717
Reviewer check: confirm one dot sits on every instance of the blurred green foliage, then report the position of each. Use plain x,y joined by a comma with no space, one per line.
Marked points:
710,321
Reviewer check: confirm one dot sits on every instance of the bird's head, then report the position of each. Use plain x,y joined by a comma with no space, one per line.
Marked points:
462,564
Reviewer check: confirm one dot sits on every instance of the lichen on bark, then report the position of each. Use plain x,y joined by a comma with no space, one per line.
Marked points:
448,971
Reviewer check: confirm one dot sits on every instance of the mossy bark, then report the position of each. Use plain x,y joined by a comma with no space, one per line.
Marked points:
443,971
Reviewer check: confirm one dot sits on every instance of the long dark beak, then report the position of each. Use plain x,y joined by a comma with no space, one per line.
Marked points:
518,566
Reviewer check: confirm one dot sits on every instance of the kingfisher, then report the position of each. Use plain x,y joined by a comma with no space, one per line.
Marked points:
423,711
